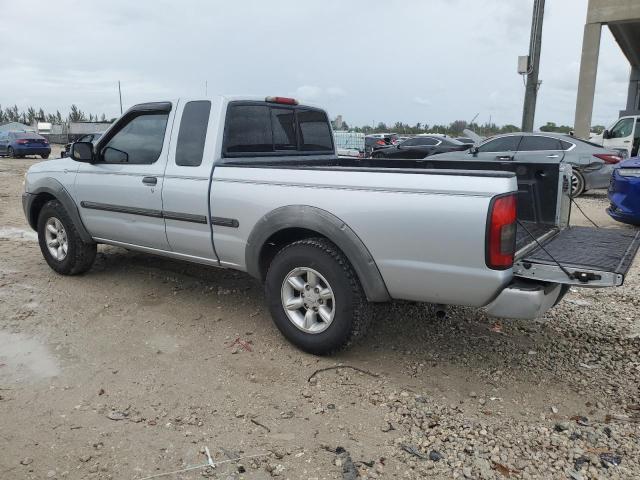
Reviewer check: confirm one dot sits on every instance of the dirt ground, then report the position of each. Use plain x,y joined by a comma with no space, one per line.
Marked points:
131,370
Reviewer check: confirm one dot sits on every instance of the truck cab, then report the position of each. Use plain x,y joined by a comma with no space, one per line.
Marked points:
623,136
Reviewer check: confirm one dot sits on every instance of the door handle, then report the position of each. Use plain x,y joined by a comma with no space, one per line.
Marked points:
150,180
504,157
553,156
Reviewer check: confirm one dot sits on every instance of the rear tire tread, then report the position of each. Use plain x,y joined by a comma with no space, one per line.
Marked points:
361,311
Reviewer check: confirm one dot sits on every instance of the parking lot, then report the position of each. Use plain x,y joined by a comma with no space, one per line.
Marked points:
132,369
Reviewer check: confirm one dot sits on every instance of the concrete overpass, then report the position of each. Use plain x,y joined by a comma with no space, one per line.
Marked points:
623,19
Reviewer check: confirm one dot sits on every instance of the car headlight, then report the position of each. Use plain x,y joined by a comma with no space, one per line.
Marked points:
629,172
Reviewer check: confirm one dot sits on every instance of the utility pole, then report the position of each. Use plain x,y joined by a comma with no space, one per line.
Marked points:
120,93
531,92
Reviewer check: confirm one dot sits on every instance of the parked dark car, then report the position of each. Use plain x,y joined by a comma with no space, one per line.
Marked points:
421,147
21,144
624,192
377,141
89,137
591,164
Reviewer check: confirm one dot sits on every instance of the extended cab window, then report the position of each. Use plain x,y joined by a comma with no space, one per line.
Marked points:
255,129
139,142
193,133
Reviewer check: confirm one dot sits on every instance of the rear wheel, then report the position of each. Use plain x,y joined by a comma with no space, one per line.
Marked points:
45,156
315,298
577,184
60,243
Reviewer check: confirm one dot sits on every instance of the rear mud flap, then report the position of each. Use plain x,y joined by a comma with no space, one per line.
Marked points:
590,257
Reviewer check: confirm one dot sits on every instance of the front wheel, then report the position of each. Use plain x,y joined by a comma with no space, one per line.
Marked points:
315,298
60,243
45,156
577,184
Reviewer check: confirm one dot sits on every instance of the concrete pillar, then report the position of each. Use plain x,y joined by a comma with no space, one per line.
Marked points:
587,80
633,96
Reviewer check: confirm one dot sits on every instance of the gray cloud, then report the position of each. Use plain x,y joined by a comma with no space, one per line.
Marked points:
416,61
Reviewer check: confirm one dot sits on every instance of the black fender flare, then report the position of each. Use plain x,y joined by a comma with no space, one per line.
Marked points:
327,225
54,188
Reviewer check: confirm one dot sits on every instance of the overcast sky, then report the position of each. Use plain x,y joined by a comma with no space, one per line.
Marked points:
429,61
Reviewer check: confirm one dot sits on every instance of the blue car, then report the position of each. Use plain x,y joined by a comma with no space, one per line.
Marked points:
624,192
21,144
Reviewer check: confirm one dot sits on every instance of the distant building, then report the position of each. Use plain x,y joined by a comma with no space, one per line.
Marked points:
16,127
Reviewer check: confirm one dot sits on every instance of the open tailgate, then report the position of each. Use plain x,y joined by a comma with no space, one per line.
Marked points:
589,256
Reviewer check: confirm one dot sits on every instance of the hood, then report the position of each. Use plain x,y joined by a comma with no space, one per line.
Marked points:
633,162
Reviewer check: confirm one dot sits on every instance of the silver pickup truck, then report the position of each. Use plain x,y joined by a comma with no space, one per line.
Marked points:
254,184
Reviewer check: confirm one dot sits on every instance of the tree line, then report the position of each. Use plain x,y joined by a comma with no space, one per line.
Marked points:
14,114
454,129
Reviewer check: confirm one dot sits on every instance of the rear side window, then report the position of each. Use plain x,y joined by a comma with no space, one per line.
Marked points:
193,133
536,143
315,134
501,144
264,129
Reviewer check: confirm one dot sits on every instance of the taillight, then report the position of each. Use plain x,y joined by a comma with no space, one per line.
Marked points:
501,232
22,142
380,142
283,100
608,158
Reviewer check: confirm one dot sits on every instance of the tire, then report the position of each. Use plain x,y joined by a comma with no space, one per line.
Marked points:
350,310
44,157
79,256
377,155
10,152
577,184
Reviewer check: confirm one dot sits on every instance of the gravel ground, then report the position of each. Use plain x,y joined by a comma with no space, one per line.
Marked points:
133,369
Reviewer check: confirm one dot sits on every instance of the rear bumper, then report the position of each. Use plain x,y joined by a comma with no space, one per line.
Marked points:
526,300
32,150
598,178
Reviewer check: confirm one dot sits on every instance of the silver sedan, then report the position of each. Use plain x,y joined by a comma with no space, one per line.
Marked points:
592,164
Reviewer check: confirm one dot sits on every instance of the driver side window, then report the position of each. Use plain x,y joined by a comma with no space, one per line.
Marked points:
139,142
622,129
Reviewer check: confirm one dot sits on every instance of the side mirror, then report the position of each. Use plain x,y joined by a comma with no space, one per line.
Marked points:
473,150
606,134
82,152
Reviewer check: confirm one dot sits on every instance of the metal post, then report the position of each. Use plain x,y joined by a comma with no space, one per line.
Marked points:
535,43
120,93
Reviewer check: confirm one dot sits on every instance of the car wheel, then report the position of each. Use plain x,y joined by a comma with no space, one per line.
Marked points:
377,155
315,298
577,184
10,152
44,156
60,243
